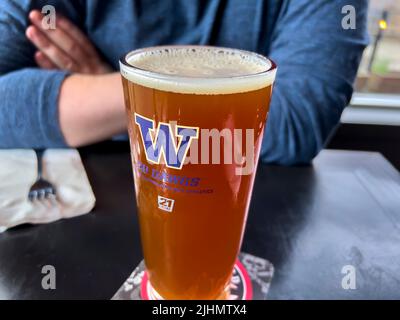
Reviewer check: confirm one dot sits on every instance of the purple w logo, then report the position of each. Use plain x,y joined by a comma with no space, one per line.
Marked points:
165,142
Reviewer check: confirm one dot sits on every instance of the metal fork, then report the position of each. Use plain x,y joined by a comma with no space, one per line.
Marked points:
41,189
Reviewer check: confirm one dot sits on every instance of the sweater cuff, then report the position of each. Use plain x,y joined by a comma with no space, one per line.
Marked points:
49,111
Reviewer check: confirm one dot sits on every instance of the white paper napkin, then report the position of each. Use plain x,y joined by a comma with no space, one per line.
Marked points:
62,167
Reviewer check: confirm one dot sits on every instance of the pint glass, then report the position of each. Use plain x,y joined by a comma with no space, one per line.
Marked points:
196,117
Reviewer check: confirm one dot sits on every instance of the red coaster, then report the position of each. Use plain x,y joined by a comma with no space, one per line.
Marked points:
240,286
251,280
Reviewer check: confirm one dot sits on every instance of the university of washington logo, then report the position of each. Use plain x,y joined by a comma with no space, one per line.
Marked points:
164,142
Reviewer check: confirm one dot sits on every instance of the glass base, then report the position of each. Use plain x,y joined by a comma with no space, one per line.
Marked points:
148,292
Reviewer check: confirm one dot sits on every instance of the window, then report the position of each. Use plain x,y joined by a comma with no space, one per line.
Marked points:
376,99
380,67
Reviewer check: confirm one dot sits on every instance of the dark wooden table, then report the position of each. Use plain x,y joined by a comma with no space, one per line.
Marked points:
308,221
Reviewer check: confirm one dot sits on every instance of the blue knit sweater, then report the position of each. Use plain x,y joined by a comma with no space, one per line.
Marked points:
317,60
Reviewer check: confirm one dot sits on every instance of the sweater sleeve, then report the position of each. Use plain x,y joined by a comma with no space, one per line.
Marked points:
317,63
28,95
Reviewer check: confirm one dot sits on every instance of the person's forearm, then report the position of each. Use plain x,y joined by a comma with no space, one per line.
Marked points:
91,108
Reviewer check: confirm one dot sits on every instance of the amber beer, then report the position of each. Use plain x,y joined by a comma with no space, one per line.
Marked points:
192,214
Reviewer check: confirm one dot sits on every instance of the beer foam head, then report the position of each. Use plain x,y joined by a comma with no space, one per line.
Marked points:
198,69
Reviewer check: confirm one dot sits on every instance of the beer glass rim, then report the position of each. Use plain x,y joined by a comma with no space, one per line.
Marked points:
199,84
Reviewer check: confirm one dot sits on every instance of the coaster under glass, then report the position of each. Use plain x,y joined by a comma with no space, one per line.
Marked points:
250,280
